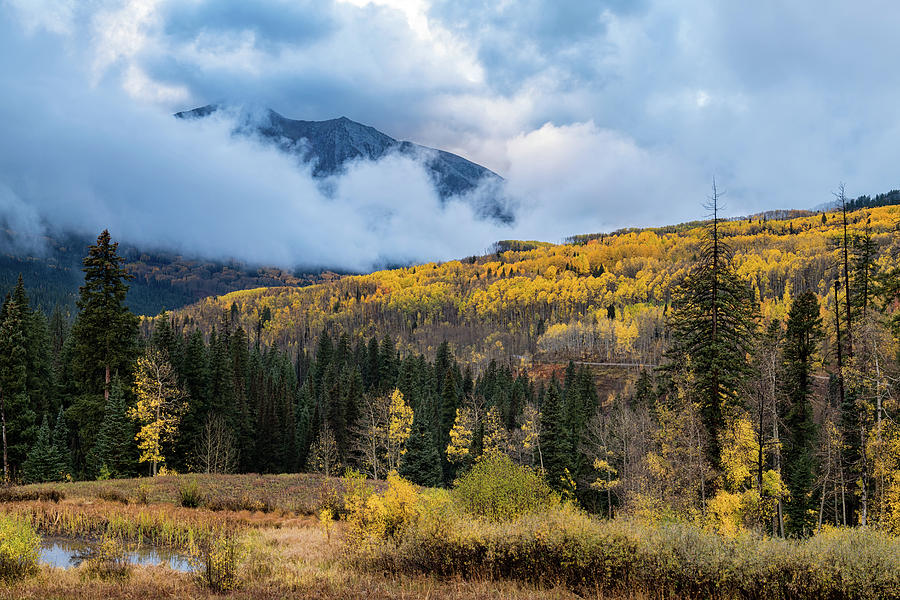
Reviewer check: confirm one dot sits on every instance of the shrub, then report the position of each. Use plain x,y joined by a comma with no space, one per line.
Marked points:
333,496
17,495
190,495
112,495
216,561
19,547
107,560
497,489
373,517
245,502
143,494
675,560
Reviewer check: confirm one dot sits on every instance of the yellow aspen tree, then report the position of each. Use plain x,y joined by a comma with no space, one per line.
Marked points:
495,435
160,404
531,435
399,428
458,450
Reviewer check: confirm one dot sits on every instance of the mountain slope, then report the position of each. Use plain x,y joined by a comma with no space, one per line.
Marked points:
330,145
602,298
163,280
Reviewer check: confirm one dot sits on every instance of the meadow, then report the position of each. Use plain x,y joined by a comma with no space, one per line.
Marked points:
500,533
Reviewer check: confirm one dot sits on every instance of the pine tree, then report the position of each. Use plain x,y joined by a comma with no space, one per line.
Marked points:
804,329
62,455
115,449
554,440
39,466
421,463
713,323
104,337
18,417
194,376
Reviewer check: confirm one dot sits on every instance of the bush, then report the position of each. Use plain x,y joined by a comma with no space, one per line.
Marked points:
245,502
112,495
190,495
143,494
675,560
16,495
216,561
107,560
19,547
497,489
373,517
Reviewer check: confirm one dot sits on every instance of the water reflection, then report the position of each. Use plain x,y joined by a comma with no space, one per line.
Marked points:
70,552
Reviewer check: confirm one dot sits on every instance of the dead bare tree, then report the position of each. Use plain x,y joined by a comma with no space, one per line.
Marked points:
216,449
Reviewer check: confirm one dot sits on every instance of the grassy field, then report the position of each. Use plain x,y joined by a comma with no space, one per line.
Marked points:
273,537
299,493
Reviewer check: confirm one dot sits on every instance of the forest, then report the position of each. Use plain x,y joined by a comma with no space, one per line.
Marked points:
763,396
162,280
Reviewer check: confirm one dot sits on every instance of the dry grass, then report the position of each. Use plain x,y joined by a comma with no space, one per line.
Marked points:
300,493
295,561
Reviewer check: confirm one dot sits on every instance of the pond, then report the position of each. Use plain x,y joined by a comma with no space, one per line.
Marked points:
70,552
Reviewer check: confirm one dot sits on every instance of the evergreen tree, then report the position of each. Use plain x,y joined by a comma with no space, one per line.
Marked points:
863,273
554,439
804,329
39,466
115,448
18,417
104,337
62,455
194,376
713,323
421,463
387,364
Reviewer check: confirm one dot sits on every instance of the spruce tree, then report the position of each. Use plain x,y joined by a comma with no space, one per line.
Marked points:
804,330
713,324
39,466
555,447
422,462
16,413
115,447
62,455
104,337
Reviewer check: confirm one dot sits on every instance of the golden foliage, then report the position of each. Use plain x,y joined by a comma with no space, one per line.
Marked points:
160,404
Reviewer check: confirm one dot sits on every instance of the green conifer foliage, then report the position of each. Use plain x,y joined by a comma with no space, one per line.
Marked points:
713,324
422,462
39,466
804,330
104,338
115,446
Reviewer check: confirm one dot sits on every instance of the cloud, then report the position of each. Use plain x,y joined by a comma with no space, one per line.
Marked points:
598,114
87,157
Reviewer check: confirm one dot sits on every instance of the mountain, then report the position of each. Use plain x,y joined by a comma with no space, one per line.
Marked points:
330,145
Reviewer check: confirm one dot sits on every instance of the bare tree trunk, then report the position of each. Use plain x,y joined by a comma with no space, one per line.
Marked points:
843,201
106,387
824,487
777,444
840,360
843,497
5,455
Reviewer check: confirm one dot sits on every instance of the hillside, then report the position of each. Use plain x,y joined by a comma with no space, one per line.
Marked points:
602,297
163,280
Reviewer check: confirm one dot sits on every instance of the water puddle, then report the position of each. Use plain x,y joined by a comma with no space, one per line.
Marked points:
66,553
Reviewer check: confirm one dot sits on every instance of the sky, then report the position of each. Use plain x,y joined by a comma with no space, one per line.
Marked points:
598,114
